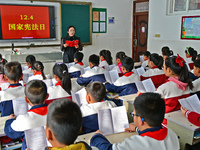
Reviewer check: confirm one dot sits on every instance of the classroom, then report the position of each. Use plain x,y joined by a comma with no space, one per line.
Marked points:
127,70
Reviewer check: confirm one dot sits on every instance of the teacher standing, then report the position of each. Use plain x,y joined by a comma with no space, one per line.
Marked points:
70,45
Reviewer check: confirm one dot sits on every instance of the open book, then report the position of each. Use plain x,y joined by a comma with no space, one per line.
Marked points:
20,106
145,86
69,64
191,103
79,97
72,43
36,139
113,120
140,71
111,67
111,76
141,59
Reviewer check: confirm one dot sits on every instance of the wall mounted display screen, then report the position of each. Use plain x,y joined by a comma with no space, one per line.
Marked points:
190,28
26,22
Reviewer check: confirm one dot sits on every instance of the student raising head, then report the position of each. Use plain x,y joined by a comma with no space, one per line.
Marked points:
166,52
156,73
105,58
178,85
148,114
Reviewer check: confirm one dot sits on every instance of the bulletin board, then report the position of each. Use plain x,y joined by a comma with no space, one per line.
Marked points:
99,20
190,28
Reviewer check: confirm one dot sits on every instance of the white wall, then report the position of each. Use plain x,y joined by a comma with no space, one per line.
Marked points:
118,36
169,28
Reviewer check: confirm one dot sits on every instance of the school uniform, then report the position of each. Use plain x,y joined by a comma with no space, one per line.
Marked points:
196,89
89,114
193,117
14,91
103,64
192,76
190,62
36,76
172,91
118,67
56,92
157,76
75,70
157,138
96,73
124,85
35,117
145,64
27,71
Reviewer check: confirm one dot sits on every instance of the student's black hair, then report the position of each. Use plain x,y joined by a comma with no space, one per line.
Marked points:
36,91
192,53
197,63
38,66
120,55
97,90
13,70
2,63
78,56
30,59
1,57
106,55
146,53
166,51
150,107
71,27
157,60
198,56
128,63
182,72
94,59
64,119
60,70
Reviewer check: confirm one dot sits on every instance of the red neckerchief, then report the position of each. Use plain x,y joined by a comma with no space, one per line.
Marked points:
29,67
146,59
154,67
59,83
158,135
80,63
103,60
102,101
127,74
40,111
189,56
38,73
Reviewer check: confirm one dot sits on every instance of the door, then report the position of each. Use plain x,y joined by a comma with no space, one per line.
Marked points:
140,28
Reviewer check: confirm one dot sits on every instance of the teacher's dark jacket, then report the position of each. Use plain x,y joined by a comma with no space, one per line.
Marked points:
69,51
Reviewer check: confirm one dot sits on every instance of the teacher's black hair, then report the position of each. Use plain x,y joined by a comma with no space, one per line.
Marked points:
71,27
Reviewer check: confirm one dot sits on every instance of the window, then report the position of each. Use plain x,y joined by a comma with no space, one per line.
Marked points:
194,4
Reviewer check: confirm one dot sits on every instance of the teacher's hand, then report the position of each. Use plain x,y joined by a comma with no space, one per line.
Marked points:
77,46
65,45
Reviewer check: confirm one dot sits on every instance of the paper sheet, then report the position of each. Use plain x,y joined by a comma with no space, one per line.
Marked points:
48,82
20,106
140,71
95,27
184,103
194,102
140,86
112,66
107,76
114,75
102,16
148,85
102,27
81,96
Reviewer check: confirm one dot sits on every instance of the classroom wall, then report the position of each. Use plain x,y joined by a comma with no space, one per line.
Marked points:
169,28
118,36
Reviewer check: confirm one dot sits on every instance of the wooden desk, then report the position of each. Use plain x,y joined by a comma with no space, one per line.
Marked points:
128,101
114,138
182,127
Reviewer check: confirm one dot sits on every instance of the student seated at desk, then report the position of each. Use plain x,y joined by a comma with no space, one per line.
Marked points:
36,93
196,83
191,55
29,61
96,73
105,59
38,71
178,85
148,116
119,56
96,92
75,70
146,56
156,73
13,73
63,126
125,85
192,76
166,52
2,64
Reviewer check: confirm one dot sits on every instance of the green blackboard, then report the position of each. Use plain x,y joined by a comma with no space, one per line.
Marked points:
78,15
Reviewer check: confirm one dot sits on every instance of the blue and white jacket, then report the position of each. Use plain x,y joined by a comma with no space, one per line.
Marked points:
76,70
14,91
196,89
124,85
35,117
94,74
90,117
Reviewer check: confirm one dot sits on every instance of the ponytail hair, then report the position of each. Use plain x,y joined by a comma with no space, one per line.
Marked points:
120,55
157,60
30,59
107,56
167,52
178,66
38,66
190,51
61,71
